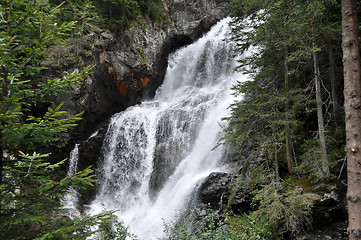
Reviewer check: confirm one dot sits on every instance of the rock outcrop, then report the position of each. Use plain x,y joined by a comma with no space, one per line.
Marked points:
222,192
129,67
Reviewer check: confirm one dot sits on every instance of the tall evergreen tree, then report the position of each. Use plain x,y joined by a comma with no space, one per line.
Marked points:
352,93
296,31
274,34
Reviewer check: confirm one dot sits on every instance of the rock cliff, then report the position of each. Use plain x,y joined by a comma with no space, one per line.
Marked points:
131,65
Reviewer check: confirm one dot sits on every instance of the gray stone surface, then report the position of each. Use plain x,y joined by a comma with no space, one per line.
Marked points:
129,67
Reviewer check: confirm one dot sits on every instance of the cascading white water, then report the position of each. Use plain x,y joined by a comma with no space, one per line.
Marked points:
156,153
69,201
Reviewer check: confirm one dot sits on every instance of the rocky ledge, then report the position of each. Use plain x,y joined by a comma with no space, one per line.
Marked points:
222,192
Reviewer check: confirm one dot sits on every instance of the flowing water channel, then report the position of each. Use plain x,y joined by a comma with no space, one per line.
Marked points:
155,154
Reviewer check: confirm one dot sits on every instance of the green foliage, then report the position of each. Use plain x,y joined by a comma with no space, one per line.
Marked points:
215,228
111,228
308,165
191,228
284,34
30,193
281,91
261,110
277,208
19,128
27,29
284,210
27,33
117,15
249,228
154,9
31,182
81,12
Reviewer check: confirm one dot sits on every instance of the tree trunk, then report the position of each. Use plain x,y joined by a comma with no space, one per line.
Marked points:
287,125
321,127
352,93
331,63
276,164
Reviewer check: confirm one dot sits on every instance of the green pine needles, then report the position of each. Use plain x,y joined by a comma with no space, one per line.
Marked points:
31,182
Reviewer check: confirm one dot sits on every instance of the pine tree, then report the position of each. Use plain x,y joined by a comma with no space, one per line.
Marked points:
31,184
273,35
290,37
352,93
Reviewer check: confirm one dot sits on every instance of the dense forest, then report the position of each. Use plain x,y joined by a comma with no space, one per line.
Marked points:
291,114
292,109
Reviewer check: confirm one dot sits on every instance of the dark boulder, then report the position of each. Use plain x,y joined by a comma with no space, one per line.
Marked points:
222,191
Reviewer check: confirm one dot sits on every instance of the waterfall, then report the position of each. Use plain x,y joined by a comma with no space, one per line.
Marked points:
69,202
156,153
70,199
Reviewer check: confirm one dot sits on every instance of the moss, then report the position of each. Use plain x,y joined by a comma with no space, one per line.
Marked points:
140,52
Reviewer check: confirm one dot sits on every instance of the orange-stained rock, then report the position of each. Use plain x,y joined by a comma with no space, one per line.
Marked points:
145,81
122,88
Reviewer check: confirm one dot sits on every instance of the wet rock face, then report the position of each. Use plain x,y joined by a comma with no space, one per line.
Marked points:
131,66
214,189
220,191
90,150
90,155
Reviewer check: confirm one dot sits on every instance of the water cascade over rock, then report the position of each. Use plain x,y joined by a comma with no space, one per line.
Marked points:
157,153
70,200
130,65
